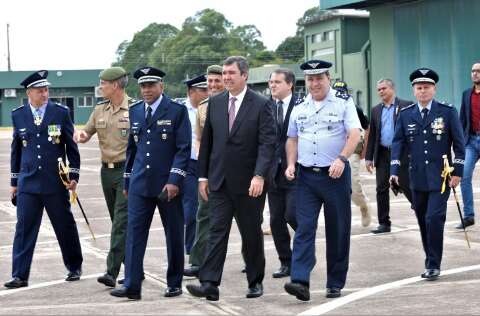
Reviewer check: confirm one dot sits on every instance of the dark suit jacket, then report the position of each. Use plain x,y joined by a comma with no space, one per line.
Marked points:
376,126
465,113
246,151
280,153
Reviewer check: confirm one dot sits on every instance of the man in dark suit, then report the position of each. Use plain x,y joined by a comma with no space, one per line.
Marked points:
470,119
383,119
236,155
42,133
281,193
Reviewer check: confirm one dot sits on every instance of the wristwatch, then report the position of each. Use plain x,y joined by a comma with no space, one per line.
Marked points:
342,158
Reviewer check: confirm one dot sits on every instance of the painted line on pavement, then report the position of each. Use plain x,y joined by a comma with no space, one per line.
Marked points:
339,302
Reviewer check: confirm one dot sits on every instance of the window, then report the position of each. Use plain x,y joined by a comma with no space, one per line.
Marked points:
328,36
323,52
317,38
85,101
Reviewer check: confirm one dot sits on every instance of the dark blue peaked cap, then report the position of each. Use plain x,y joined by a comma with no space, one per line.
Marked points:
36,80
148,74
424,75
197,82
315,67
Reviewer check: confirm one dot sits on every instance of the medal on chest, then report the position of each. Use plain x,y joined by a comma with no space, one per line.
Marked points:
438,127
37,120
54,133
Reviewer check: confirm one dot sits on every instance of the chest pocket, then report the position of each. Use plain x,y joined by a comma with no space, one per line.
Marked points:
411,133
101,123
164,132
330,122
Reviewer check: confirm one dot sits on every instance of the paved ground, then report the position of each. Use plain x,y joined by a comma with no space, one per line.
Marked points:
383,276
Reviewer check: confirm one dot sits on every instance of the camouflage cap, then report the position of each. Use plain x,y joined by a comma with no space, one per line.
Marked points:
214,69
112,73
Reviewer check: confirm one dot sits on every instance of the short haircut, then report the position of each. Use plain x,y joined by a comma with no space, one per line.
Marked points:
288,74
387,81
241,62
122,81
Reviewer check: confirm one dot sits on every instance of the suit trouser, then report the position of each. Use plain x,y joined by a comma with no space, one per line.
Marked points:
315,189
112,184
281,202
358,195
431,210
29,217
382,176
140,214
190,204
199,248
224,205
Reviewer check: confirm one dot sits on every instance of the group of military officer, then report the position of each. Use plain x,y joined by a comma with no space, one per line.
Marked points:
149,150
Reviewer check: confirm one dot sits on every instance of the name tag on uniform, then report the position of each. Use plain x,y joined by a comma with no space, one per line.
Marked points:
164,122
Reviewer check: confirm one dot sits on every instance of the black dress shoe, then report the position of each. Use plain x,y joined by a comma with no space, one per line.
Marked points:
255,291
73,275
192,271
173,291
207,290
124,292
121,281
15,283
431,274
467,221
300,291
381,229
333,292
107,280
284,271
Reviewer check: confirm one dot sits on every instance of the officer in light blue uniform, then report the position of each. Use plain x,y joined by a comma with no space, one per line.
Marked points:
427,130
197,92
42,133
323,132
158,152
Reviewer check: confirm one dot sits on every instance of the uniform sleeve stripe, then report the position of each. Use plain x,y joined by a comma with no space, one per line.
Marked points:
179,171
127,175
74,170
14,175
459,161
395,162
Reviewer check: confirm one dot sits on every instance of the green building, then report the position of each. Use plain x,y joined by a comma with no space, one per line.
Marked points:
76,89
408,34
341,37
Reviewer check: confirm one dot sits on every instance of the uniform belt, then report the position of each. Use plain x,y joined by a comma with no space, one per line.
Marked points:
315,169
112,165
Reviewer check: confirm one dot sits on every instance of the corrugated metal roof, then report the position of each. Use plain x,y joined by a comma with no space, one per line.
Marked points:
262,74
58,78
355,4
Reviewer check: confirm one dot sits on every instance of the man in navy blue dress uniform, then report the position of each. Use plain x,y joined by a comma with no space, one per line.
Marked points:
42,133
158,153
427,130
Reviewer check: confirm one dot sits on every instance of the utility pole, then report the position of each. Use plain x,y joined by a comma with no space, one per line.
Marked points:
8,48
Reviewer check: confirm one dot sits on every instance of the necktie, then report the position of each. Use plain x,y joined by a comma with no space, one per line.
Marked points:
231,113
280,115
424,115
148,119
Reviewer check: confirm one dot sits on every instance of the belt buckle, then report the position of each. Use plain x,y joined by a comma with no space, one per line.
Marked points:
110,165
316,169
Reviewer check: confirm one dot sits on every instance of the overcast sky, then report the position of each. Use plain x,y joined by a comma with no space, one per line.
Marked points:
64,34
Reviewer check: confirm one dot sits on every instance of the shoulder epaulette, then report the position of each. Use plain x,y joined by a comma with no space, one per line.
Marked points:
136,103
299,101
62,106
407,107
445,104
17,108
103,102
204,101
132,100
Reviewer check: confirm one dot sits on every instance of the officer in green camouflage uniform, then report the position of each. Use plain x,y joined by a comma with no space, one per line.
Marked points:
110,121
